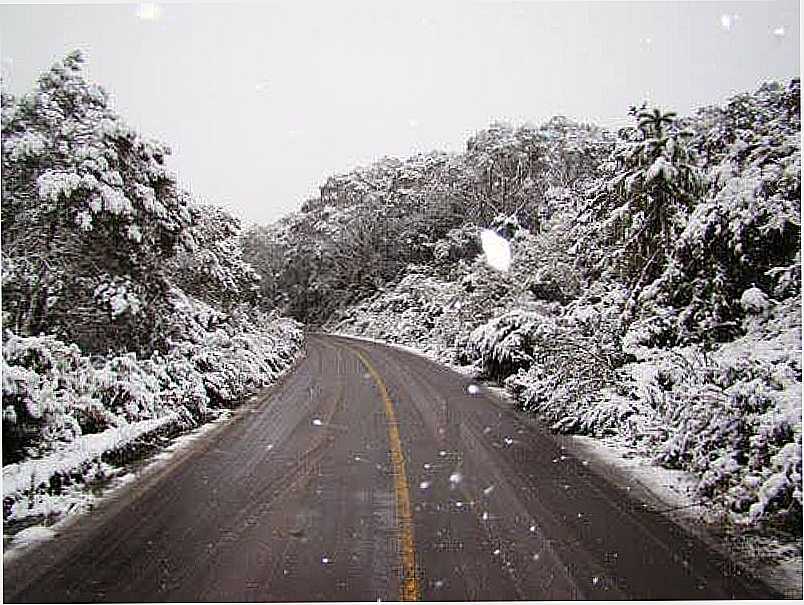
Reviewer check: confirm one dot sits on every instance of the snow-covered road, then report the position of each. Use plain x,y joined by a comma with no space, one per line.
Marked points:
372,473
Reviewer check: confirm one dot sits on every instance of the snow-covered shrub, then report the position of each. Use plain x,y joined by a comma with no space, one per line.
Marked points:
118,296
234,365
780,492
127,387
573,383
754,301
735,423
36,392
54,394
505,344
555,283
459,243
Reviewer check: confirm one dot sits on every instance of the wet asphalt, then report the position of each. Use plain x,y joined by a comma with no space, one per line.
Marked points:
297,498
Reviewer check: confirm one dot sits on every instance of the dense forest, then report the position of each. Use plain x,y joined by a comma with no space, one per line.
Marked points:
127,305
653,298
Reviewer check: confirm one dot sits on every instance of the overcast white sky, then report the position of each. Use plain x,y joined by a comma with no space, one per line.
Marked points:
261,101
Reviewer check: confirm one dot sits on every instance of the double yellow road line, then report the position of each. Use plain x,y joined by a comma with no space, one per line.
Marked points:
410,590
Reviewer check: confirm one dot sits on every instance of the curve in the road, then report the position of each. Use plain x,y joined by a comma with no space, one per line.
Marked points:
410,581
315,492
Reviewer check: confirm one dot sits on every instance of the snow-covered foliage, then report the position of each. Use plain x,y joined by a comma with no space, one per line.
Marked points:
214,269
506,343
96,231
66,416
53,394
653,295
419,311
87,203
369,224
746,231
641,208
127,307
734,418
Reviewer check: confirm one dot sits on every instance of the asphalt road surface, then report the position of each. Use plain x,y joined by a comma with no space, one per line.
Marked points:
371,473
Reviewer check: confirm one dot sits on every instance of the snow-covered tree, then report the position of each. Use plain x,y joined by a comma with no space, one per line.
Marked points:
121,297
90,213
747,231
213,268
644,205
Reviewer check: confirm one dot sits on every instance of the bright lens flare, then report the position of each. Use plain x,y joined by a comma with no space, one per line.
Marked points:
497,250
149,11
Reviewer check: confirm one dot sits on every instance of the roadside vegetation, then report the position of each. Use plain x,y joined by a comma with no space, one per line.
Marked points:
128,308
654,294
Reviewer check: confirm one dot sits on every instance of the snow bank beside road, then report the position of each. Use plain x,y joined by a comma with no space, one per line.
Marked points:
32,474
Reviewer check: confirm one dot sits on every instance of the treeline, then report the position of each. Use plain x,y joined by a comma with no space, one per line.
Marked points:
123,298
686,212
369,224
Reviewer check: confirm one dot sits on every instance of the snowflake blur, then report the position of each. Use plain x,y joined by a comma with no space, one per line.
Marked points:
149,11
497,250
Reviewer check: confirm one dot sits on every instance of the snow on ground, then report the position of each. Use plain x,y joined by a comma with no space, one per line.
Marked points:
32,535
674,493
32,474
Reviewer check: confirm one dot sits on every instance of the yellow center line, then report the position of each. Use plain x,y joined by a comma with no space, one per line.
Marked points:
410,581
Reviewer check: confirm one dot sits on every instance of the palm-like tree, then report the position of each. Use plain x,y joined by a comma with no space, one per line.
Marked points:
655,184
652,123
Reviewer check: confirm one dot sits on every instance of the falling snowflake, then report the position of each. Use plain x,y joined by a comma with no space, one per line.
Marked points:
728,21
149,11
497,250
